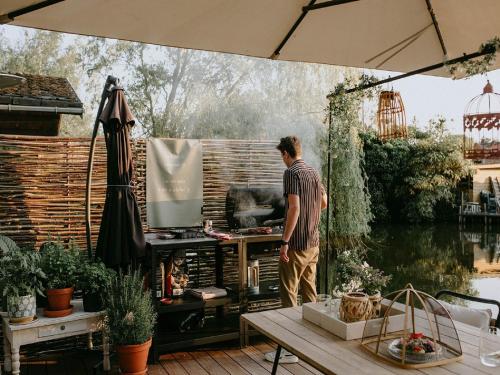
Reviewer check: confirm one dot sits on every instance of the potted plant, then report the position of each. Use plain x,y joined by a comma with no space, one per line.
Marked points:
372,281
21,278
131,318
60,266
6,245
353,275
93,278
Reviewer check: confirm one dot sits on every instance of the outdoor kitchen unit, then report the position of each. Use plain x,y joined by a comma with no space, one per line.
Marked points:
246,205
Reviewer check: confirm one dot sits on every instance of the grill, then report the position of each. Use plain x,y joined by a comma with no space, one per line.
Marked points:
254,206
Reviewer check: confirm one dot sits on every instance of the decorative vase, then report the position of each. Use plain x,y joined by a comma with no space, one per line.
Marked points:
21,309
375,300
355,306
133,358
58,302
92,302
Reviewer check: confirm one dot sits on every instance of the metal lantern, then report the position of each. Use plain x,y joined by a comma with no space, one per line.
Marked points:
482,125
391,116
415,331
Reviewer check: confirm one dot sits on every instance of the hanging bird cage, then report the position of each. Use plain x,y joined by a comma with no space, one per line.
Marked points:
482,125
391,116
426,336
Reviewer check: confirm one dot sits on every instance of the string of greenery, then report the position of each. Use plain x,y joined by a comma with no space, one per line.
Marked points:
350,200
479,65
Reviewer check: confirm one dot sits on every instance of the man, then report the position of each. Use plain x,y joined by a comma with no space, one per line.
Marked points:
305,198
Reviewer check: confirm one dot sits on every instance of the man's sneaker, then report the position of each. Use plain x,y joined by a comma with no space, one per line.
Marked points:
285,357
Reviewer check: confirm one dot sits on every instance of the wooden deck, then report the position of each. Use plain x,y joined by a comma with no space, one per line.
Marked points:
223,361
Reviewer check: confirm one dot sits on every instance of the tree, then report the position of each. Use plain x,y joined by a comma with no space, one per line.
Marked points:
45,53
409,179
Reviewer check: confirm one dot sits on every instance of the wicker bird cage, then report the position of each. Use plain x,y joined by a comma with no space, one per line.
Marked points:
426,336
391,116
482,125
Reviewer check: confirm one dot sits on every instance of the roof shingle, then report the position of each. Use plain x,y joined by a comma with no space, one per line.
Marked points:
42,91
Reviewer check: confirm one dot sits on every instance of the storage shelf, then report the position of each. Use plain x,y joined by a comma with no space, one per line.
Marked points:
184,303
215,330
264,292
188,302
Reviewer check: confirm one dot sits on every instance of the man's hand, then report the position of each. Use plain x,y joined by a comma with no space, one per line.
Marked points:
284,254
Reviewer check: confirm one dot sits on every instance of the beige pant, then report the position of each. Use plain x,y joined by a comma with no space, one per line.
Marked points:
299,271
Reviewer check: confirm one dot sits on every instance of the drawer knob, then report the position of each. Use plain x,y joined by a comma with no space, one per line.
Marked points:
63,328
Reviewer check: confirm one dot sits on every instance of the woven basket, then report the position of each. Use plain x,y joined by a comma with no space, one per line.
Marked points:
355,306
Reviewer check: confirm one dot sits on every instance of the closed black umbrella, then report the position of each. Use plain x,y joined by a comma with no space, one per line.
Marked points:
121,238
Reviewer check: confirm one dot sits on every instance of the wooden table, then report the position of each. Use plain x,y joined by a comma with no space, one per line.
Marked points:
45,329
332,355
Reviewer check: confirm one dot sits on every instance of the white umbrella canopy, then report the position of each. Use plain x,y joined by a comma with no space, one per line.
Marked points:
395,35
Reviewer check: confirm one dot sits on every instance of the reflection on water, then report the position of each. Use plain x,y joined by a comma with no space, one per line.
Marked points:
438,257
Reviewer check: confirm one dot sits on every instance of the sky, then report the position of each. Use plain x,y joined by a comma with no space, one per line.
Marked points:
425,97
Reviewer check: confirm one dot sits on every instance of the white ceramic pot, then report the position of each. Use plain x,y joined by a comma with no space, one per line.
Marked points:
21,309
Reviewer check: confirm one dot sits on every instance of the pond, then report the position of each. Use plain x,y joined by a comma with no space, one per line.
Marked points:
439,257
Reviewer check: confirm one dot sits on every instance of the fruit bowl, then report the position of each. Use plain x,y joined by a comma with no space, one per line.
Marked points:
419,349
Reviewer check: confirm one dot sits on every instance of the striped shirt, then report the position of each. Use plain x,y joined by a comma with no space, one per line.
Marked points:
302,180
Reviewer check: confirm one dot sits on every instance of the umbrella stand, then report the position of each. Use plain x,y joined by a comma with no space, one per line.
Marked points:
110,81
485,51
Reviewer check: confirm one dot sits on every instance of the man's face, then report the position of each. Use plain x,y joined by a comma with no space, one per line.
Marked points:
286,158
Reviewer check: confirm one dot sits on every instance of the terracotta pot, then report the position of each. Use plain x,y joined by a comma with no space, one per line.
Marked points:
59,299
355,306
133,358
57,313
375,300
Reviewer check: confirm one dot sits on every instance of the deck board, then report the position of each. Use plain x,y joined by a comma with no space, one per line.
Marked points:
171,366
229,364
208,363
224,361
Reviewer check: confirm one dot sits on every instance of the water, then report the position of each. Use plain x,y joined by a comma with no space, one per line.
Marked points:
491,360
438,257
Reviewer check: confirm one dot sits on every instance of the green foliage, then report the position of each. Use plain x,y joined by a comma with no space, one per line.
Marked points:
352,273
93,276
409,179
478,65
7,245
60,264
349,197
47,53
130,312
20,272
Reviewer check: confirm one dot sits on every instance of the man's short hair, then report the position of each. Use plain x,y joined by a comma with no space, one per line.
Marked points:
290,144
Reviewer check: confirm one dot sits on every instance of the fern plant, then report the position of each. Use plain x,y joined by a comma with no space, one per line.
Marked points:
130,312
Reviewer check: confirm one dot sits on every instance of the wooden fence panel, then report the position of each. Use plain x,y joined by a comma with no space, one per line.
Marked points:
42,182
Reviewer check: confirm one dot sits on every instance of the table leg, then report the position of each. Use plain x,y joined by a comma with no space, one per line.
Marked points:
90,344
16,365
276,360
105,349
243,333
7,362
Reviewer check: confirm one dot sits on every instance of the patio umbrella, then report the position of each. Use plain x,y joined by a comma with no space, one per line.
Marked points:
395,35
121,238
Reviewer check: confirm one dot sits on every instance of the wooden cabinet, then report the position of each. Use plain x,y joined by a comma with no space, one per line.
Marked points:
212,263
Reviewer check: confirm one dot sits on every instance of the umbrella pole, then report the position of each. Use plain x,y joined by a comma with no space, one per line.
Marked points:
105,93
327,253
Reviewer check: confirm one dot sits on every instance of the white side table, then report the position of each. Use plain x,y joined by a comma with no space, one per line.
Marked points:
45,329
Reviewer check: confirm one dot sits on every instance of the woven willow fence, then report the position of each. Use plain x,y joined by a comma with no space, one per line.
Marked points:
42,182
